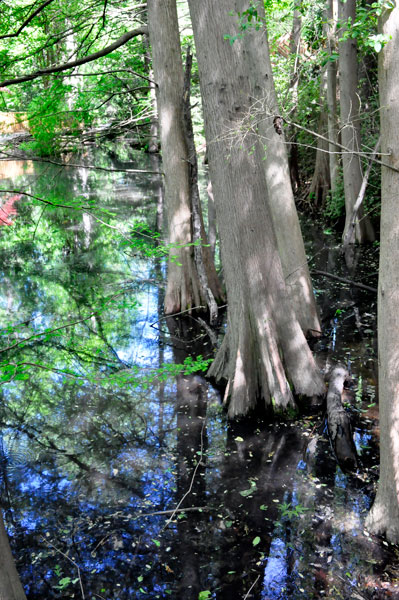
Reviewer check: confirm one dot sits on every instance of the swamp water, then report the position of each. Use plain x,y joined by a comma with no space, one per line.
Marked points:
120,477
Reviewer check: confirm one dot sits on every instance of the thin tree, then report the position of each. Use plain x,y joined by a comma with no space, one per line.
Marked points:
183,290
383,518
350,120
264,349
330,26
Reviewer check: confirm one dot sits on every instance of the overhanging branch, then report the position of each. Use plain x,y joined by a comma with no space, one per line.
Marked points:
81,61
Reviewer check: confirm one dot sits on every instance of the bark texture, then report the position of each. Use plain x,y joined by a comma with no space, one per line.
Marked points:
10,585
280,196
183,287
264,346
330,31
384,516
350,124
320,183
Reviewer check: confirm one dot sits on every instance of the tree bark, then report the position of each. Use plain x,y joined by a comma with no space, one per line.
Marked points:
264,347
350,123
279,195
183,288
10,585
330,31
153,142
384,516
295,50
200,253
320,183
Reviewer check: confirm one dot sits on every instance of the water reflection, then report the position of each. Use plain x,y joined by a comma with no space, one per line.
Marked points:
125,481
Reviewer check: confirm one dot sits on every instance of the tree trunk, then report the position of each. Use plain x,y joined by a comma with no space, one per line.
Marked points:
350,124
264,346
279,195
295,50
384,516
330,31
320,183
10,585
153,143
183,289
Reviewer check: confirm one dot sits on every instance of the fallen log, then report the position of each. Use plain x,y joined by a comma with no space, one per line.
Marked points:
339,426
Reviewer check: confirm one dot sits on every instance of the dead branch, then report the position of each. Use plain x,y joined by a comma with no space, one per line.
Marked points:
362,286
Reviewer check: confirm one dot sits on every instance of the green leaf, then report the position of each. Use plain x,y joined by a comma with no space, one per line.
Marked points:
204,595
238,439
256,541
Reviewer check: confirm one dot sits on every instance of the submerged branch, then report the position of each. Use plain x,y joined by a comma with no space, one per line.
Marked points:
74,165
362,286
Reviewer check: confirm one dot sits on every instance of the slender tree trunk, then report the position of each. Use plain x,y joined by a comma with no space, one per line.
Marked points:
295,48
330,30
10,585
280,197
384,516
320,184
201,254
183,288
264,346
350,124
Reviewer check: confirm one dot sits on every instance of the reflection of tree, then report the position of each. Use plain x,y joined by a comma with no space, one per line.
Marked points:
264,461
192,443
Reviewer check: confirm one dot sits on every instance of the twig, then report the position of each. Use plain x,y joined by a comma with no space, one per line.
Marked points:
71,561
173,511
192,478
252,586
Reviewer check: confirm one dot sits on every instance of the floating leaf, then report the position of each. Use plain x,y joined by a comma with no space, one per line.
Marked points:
256,541
238,439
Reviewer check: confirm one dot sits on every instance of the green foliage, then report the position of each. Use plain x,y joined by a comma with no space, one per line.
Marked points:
248,19
290,511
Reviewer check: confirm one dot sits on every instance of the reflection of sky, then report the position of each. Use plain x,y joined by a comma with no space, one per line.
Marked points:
276,569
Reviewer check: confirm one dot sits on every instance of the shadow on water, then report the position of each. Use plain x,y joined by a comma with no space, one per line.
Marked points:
120,477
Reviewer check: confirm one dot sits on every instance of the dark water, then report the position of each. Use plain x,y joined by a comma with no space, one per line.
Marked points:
120,477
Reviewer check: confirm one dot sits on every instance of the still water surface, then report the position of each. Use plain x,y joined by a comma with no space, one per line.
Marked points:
120,477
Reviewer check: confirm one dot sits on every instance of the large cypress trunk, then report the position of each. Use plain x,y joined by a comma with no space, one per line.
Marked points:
384,516
183,287
264,349
350,124
280,196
